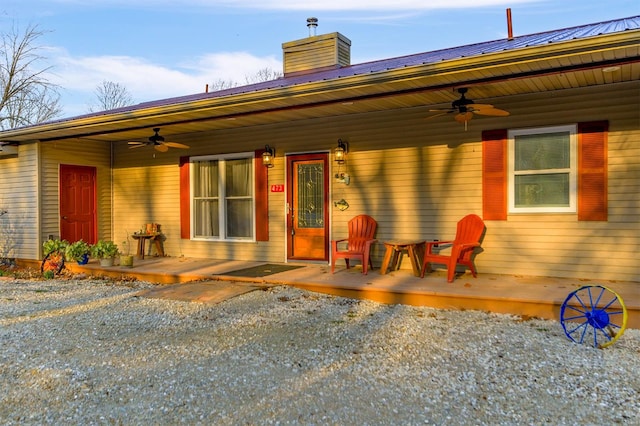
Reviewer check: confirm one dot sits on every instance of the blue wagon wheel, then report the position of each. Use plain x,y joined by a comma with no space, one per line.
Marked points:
593,315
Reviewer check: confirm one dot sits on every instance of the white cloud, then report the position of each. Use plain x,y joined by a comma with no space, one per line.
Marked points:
233,66
78,77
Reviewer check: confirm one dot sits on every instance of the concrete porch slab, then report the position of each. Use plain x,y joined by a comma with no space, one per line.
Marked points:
210,292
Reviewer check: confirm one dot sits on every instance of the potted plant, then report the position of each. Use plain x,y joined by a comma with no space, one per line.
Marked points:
105,251
78,251
126,258
51,245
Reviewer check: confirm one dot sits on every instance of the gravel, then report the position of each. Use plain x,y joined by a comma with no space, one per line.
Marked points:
92,352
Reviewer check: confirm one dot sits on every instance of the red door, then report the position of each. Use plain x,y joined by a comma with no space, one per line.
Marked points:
308,213
78,203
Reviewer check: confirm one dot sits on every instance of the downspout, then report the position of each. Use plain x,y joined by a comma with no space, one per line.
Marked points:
111,191
38,253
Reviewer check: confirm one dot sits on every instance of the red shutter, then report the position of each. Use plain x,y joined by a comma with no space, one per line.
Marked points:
592,170
185,207
494,174
262,198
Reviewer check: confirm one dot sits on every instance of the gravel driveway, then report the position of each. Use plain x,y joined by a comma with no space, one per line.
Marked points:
91,352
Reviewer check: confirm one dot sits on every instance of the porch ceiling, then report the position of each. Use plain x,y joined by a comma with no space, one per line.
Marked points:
581,63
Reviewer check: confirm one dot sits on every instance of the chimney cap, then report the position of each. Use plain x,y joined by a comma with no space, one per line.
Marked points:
312,23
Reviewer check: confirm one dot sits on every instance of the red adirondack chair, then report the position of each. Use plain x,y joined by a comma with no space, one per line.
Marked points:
362,229
468,235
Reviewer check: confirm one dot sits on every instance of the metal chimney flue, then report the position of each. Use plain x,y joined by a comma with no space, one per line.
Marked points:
312,24
509,25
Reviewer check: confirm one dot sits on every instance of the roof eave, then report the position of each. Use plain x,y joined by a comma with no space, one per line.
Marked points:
460,70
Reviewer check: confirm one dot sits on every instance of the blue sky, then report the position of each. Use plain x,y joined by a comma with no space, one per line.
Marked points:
159,48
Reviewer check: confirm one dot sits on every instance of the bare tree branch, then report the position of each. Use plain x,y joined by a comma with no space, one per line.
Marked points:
264,74
111,95
222,85
26,96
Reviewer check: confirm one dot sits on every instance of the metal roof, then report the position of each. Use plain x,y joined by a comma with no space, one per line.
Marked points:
547,61
495,46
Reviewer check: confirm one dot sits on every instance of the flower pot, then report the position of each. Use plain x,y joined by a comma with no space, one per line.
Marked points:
106,261
84,260
126,260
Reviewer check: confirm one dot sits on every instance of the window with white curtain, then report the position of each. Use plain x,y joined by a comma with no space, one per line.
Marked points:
222,197
542,170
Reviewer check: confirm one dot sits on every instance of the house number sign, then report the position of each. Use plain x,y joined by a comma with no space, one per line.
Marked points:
277,188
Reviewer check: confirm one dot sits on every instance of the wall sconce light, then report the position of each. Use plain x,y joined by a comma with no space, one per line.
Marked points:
340,152
268,156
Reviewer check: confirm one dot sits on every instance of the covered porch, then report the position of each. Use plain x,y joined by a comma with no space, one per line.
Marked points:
526,296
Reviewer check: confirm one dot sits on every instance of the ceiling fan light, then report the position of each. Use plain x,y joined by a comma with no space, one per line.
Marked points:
463,117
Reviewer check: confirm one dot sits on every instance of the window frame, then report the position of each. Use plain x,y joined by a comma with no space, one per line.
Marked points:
222,197
572,170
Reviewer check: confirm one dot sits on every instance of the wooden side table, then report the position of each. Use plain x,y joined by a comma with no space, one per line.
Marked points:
395,249
142,238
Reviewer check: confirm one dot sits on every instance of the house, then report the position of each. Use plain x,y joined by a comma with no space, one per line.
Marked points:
556,180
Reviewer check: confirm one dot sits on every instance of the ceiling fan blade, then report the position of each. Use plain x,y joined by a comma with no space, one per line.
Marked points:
437,115
161,147
492,111
478,107
463,117
136,145
176,145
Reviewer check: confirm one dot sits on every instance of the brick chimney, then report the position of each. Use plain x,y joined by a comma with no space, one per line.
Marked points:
316,53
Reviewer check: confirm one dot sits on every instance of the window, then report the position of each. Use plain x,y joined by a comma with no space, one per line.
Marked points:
542,170
592,187
222,197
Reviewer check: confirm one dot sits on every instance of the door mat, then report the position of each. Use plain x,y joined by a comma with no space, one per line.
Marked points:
261,271
202,292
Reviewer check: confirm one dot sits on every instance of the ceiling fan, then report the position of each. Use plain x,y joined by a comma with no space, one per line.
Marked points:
158,143
464,109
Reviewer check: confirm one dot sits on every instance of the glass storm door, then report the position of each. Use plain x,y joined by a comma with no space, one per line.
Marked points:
307,207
